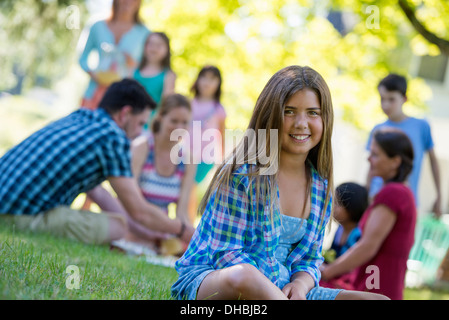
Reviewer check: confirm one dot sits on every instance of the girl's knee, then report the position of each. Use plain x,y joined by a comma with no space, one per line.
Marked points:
241,277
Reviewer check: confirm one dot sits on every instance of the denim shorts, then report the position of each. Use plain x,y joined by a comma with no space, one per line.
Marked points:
187,285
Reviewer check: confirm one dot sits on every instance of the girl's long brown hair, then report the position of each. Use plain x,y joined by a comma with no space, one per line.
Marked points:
269,114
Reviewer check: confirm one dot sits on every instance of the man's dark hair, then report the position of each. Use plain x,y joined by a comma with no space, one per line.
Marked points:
126,92
394,82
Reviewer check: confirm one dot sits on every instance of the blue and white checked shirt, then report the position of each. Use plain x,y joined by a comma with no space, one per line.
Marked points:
67,157
233,232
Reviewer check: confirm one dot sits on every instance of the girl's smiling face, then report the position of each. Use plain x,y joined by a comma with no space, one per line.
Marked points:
155,49
303,125
177,118
208,85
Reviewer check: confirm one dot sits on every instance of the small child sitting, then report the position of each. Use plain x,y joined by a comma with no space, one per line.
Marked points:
351,203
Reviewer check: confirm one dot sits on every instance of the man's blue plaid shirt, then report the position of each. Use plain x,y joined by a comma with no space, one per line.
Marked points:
233,231
67,157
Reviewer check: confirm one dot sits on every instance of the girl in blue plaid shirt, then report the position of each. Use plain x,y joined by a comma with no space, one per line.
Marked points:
265,212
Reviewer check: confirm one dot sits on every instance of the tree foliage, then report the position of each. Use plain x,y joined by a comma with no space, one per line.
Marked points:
249,41
38,39
433,31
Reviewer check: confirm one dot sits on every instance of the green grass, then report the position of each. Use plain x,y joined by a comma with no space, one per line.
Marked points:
33,266
426,293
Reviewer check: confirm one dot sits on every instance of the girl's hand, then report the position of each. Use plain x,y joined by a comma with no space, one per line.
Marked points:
436,209
93,76
130,63
295,290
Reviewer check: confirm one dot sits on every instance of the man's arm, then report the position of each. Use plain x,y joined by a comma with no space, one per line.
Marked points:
146,213
436,178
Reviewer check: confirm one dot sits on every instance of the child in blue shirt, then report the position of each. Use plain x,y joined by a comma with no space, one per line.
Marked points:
351,203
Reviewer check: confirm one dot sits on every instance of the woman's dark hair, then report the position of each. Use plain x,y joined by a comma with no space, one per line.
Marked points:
394,82
166,62
169,103
354,198
395,142
126,92
216,72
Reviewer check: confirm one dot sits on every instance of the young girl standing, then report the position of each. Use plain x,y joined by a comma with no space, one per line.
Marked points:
154,71
208,113
254,241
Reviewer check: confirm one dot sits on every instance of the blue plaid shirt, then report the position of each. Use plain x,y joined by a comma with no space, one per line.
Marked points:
233,232
67,157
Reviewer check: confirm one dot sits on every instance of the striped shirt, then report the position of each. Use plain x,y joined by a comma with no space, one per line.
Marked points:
67,157
236,230
157,189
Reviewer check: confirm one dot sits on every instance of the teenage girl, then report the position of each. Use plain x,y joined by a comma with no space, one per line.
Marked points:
262,230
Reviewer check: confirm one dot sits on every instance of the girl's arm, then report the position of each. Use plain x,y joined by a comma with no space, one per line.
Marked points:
139,154
226,224
377,228
222,128
186,188
169,83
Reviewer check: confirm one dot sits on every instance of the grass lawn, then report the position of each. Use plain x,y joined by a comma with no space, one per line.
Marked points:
34,266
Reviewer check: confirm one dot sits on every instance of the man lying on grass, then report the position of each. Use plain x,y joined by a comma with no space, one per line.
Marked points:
42,175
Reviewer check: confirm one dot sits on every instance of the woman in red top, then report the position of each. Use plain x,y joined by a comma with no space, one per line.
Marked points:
379,258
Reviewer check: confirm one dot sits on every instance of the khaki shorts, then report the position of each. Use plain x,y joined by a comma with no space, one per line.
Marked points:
84,226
